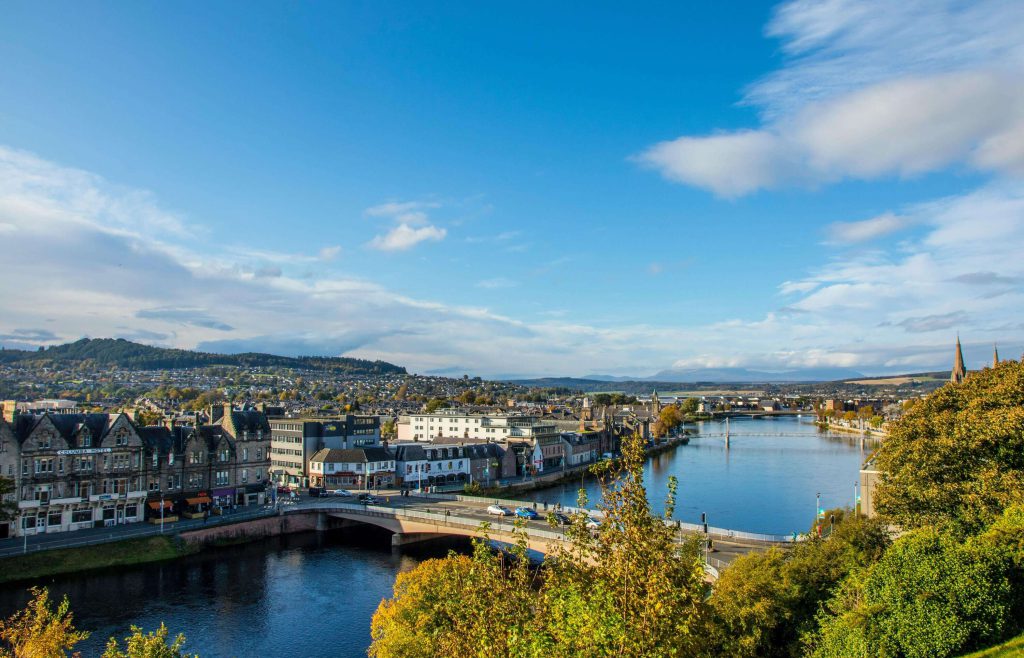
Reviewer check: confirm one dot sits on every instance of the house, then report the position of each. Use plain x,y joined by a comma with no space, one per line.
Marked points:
359,468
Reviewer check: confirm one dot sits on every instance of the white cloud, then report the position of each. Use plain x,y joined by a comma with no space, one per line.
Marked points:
399,208
406,215
329,253
868,229
963,257
871,89
404,237
496,283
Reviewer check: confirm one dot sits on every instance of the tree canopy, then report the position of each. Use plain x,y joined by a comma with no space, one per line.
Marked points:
957,456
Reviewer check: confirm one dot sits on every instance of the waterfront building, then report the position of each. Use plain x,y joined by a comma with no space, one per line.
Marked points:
546,450
580,448
74,470
294,440
359,468
71,470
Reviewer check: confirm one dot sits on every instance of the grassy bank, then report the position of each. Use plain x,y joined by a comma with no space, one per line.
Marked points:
1014,647
99,556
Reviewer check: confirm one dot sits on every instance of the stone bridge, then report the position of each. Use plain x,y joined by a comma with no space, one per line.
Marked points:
419,518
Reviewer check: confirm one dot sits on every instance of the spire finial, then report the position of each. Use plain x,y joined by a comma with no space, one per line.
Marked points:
959,371
995,355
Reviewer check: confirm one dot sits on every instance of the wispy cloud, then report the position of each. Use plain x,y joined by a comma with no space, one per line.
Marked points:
871,90
868,229
404,237
495,283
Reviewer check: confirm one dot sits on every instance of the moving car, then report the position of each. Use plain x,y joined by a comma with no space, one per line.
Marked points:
526,513
499,510
340,492
367,499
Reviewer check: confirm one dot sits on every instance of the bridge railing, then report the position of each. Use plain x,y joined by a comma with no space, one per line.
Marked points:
429,516
715,533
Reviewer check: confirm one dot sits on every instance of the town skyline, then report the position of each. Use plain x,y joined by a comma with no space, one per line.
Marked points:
565,196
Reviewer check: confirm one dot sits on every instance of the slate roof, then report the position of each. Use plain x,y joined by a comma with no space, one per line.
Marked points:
352,455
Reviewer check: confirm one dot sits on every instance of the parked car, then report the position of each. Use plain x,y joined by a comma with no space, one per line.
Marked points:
317,492
341,492
367,499
593,523
559,518
499,510
526,513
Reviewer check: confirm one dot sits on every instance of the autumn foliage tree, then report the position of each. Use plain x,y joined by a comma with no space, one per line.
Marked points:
957,456
629,589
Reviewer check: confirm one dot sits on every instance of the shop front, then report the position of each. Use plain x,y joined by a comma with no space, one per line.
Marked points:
223,498
197,506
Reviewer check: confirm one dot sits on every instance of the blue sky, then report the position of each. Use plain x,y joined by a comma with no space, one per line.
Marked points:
518,190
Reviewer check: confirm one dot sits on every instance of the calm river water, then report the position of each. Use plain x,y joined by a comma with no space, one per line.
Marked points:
309,595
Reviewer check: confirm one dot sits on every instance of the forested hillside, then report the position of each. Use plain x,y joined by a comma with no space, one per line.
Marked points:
126,354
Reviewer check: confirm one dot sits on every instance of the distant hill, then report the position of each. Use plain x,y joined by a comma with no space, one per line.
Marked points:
757,376
123,353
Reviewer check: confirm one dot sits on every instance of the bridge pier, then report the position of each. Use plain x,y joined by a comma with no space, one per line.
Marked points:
322,522
406,538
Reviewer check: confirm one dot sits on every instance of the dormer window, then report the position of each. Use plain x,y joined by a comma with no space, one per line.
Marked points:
86,440
44,441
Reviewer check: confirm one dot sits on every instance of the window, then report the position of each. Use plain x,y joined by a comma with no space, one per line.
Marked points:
54,519
156,458
154,485
259,454
245,454
60,465
121,439
224,455
44,466
245,475
28,522
87,464
86,440
259,474
222,477
81,516
42,494
44,440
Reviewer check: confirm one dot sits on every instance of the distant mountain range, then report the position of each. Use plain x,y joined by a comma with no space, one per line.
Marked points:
736,375
123,353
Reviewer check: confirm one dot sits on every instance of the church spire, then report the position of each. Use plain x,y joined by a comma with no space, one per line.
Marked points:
959,371
995,355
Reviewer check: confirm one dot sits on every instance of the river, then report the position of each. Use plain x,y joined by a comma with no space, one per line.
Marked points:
313,595
767,481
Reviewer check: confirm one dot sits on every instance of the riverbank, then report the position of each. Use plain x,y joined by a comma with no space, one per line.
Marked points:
866,433
90,558
568,475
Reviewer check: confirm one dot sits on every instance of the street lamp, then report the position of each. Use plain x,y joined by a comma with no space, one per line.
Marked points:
161,514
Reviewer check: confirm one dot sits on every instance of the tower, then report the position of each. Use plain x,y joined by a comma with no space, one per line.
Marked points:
655,403
959,371
995,355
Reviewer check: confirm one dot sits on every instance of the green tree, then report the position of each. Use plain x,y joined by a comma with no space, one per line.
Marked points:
689,406
39,630
764,603
929,596
147,645
957,456
434,404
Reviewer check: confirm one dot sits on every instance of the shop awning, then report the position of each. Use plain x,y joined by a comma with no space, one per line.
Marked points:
198,500
155,504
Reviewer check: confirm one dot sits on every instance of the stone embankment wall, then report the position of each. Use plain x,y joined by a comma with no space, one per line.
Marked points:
248,530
